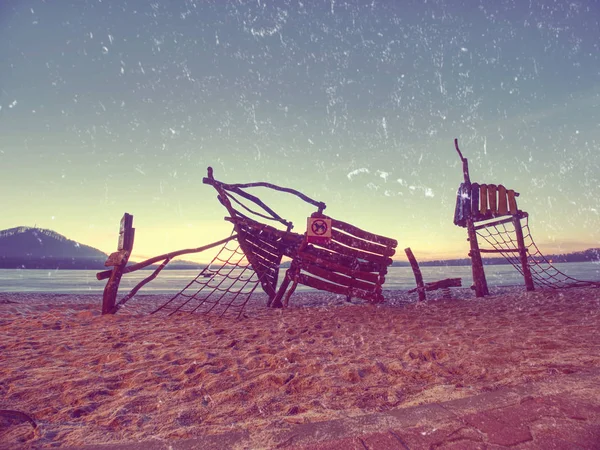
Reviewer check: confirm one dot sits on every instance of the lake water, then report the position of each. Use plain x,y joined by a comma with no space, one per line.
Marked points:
170,281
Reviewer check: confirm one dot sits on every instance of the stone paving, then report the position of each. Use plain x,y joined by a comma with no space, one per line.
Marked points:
562,412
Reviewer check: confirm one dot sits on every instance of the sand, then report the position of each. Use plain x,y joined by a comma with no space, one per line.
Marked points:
87,378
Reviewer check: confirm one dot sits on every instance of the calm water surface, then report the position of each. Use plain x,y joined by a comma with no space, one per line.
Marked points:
82,281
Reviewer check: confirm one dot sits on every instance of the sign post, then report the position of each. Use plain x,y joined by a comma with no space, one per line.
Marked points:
318,230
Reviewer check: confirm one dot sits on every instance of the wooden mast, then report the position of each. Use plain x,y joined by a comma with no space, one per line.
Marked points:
481,288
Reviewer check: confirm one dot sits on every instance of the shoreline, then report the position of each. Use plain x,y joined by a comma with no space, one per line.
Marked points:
92,379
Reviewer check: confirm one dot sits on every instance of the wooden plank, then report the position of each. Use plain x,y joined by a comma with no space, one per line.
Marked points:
493,204
287,241
335,277
352,263
502,201
362,234
442,284
475,199
346,270
483,199
126,223
266,242
260,247
493,223
313,282
338,248
417,272
512,201
360,244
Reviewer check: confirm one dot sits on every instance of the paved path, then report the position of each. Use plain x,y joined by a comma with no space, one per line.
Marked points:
562,412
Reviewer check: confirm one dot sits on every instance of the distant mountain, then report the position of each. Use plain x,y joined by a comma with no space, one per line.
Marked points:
38,248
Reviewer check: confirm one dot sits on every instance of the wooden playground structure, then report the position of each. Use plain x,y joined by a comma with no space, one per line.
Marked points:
331,255
490,214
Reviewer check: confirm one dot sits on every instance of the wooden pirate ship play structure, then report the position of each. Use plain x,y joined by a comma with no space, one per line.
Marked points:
331,255
490,214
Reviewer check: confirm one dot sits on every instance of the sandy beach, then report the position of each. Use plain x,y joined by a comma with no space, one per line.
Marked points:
88,379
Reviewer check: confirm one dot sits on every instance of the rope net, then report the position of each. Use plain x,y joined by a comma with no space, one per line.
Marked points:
501,235
223,287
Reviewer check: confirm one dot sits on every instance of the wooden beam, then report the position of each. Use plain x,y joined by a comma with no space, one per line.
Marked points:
323,285
483,200
360,244
499,221
481,288
523,254
355,253
362,234
372,277
442,284
336,277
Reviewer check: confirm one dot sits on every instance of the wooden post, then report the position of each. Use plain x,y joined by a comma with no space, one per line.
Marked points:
417,271
523,253
479,280
118,260
481,287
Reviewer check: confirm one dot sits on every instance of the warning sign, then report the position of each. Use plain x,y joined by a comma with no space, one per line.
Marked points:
318,230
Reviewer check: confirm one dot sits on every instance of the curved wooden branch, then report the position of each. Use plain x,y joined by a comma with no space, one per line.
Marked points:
105,274
222,188
298,194
275,217
234,187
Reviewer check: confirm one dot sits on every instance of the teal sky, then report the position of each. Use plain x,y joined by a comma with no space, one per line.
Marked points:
118,106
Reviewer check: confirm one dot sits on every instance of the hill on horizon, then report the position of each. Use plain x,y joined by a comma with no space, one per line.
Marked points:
39,248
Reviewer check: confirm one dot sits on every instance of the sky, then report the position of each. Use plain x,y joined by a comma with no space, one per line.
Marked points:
114,106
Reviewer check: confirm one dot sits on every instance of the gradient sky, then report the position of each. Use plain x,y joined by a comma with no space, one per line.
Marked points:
113,106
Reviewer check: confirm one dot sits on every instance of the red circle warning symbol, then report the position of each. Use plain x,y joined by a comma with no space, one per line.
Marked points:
319,227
